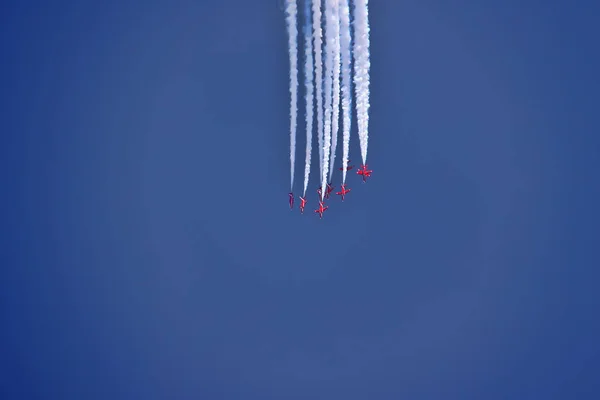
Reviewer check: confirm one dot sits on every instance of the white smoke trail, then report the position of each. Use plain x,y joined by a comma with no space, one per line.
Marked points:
346,56
329,42
291,15
362,65
335,118
308,78
317,44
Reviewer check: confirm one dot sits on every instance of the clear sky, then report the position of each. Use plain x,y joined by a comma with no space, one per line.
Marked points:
148,251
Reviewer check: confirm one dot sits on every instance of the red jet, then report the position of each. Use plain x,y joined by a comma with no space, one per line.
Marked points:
302,204
347,168
364,172
329,190
344,191
291,200
321,209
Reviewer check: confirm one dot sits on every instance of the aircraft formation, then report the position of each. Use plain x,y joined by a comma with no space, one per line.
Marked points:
344,190
334,64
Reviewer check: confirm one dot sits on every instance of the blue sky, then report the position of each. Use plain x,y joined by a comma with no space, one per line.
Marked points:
148,248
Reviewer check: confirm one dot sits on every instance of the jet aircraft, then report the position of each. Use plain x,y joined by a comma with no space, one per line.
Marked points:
347,168
364,172
302,204
344,191
321,209
329,190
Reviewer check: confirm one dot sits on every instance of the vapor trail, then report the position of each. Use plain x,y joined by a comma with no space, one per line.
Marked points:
317,44
335,117
346,56
291,15
329,42
308,78
362,65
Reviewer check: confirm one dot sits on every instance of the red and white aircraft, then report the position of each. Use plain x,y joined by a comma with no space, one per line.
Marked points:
321,209
291,200
347,168
329,190
302,204
319,193
364,172
344,191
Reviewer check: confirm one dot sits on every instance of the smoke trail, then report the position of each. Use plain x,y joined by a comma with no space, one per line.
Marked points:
318,42
335,118
308,78
330,38
346,55
361,72
291,15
